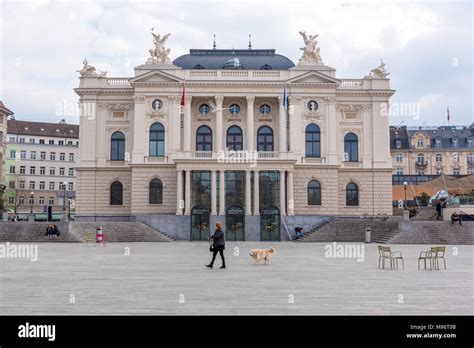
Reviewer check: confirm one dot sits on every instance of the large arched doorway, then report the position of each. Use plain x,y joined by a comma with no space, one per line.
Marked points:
200,229
270,223
235,223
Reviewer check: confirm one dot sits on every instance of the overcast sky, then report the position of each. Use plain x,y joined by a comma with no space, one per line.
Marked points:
426,45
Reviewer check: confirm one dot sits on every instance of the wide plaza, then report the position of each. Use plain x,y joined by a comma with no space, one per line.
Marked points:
170,279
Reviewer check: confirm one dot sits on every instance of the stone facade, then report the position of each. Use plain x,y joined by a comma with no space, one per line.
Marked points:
246,91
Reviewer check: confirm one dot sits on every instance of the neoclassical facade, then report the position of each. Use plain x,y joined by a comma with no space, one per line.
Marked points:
242,136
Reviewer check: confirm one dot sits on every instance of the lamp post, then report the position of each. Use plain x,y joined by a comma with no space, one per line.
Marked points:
64,195
405,183
32,196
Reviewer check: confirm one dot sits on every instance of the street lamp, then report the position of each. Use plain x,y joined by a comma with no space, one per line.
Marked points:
64,195
32,196
405,186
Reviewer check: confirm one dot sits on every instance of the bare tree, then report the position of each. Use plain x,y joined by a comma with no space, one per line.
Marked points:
15,194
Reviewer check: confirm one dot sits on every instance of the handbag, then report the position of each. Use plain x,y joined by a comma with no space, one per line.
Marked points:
211,245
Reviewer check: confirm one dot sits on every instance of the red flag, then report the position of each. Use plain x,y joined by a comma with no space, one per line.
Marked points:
449,116
183,95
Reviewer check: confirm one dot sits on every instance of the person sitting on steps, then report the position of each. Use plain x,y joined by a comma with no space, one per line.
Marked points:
455,217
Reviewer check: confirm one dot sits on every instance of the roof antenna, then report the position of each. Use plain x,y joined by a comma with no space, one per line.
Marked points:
214,45
250,41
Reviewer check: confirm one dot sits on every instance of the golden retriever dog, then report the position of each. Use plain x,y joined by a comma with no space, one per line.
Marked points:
262,254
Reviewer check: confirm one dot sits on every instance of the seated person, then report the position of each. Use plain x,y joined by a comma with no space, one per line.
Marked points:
299,232
412,212
455,217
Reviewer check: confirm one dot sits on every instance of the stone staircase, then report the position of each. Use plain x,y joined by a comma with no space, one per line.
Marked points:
34,232
120,231
436,232
352,230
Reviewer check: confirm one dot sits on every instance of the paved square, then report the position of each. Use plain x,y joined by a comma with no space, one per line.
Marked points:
156,276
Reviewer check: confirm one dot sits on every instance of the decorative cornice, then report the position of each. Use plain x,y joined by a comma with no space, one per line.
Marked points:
139,99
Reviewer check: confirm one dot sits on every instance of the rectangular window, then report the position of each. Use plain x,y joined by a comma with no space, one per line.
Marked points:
61,171
69,142
71,171
70,186
33,155
455,142
23,154
456,172
42,170
398,144
51,185
52,156
32,170
22,185
51,142
43,155
11,184
62,186
12,154
32,141
11,200
22,169
42,183
41,201
22,140
61,142
62,156
71,157
12,169
51,201
41,141
399,171
21,200
32,185
52,171
12,140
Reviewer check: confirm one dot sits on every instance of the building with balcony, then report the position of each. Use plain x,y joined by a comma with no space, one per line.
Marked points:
40,166
428,151
243,136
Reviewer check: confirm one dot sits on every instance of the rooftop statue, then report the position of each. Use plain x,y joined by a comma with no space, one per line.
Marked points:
378,73
90,71
311,53
159,54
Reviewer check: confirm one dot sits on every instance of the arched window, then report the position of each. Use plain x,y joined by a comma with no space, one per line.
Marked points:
234,138
116,193
351,148
157,140
266,67
204,139
314,193
313,141
421,158
439,157
265,139
117,147
155,192
352,194
198,67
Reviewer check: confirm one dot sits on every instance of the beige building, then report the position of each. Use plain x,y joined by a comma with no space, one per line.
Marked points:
431,151
238,135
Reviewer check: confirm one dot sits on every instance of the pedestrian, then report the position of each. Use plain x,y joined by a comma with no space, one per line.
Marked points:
218,245
299,232
455,217
438,210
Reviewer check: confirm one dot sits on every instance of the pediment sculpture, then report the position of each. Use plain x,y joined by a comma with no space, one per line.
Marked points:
379,72
311,54
90,71
159,54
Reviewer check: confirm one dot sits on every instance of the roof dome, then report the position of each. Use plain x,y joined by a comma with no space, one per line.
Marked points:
249,59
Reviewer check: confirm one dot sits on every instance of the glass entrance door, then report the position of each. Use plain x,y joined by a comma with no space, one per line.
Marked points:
200,229
235,223
270,223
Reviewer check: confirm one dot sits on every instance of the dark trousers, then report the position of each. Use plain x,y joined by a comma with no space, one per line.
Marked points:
220,250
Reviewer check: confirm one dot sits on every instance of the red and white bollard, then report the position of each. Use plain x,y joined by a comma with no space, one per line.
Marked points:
99,235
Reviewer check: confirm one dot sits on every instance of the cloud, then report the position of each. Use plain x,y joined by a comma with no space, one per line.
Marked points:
43,44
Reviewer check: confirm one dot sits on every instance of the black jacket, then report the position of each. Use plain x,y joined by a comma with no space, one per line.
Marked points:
218,239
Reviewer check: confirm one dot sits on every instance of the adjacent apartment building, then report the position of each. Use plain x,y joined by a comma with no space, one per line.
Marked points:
40,163
429,151
243,136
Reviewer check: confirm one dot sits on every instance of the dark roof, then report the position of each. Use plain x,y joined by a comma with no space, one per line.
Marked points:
43,128
5,110
250,59
399,133
446,134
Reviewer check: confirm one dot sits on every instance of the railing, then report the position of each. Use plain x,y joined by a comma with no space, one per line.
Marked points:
117,81
202,154
234,73
275,74
351,83
203,73
243,74
268,154
421,164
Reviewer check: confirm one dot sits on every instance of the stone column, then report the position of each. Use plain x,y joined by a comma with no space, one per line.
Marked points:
282,193
332,134
250,124
101,134
187,194
213,193
175,124
256,194
296,137
179,193
221,192
291,201
187,123
219,142
282,125
138,149
248,195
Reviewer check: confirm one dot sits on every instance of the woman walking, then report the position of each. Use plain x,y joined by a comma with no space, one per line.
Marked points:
218,244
